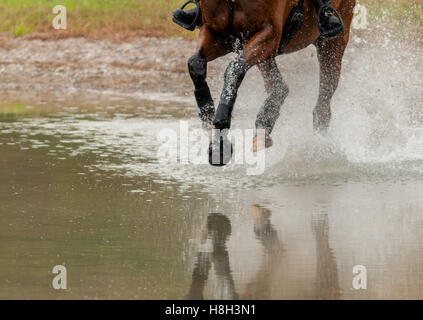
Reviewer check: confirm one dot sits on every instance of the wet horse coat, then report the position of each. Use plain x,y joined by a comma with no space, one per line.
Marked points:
258,26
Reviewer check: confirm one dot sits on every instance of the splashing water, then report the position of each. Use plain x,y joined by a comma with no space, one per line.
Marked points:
93,185
376,129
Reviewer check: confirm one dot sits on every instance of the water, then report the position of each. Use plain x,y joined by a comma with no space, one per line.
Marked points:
82,186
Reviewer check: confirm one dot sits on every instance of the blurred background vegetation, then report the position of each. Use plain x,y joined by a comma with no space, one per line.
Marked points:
144,17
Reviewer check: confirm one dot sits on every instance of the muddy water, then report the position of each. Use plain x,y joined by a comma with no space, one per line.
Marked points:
82,186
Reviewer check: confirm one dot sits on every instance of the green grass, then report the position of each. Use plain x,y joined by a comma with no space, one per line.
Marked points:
13,111
150,17
90,17
16,108
404,11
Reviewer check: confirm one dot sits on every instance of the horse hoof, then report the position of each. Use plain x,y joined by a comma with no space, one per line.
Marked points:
258,143
220,154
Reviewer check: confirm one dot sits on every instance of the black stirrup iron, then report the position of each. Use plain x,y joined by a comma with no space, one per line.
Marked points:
188,19
330,21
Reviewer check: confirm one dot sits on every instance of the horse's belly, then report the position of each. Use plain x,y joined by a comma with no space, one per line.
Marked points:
248,18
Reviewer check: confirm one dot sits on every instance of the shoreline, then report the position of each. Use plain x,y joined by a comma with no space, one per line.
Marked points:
74,64
34,70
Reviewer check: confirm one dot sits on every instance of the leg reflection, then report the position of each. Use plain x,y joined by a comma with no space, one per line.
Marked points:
199,276
327,282
260,286
218,231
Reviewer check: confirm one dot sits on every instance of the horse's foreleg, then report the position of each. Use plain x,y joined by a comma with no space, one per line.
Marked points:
234,75
330,55
209,49
261,47
197,66
220,150
277,91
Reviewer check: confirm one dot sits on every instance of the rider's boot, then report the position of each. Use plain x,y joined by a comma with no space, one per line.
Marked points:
188,19
330,22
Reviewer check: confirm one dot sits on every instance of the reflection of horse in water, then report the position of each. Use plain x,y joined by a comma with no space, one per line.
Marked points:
219,231
260,286
327,282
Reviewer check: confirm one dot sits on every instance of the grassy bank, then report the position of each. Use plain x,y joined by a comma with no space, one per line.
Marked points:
90,17
147,17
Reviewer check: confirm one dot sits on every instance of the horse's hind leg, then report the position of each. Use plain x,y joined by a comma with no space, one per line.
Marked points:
209,49
277,91
329,53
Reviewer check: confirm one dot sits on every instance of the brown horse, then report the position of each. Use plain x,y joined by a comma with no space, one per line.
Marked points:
254,29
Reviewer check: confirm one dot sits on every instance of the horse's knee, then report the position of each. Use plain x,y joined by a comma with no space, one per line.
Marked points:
237,68
234,74
197,67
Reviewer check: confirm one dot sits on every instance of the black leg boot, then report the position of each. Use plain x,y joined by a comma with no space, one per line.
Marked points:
330,22
188,19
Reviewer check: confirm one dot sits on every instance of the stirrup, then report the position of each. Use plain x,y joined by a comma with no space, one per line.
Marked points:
183,24
332,32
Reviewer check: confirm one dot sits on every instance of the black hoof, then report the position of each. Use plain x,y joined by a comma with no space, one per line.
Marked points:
220,153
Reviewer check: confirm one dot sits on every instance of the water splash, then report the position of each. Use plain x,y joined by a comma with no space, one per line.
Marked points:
376,130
